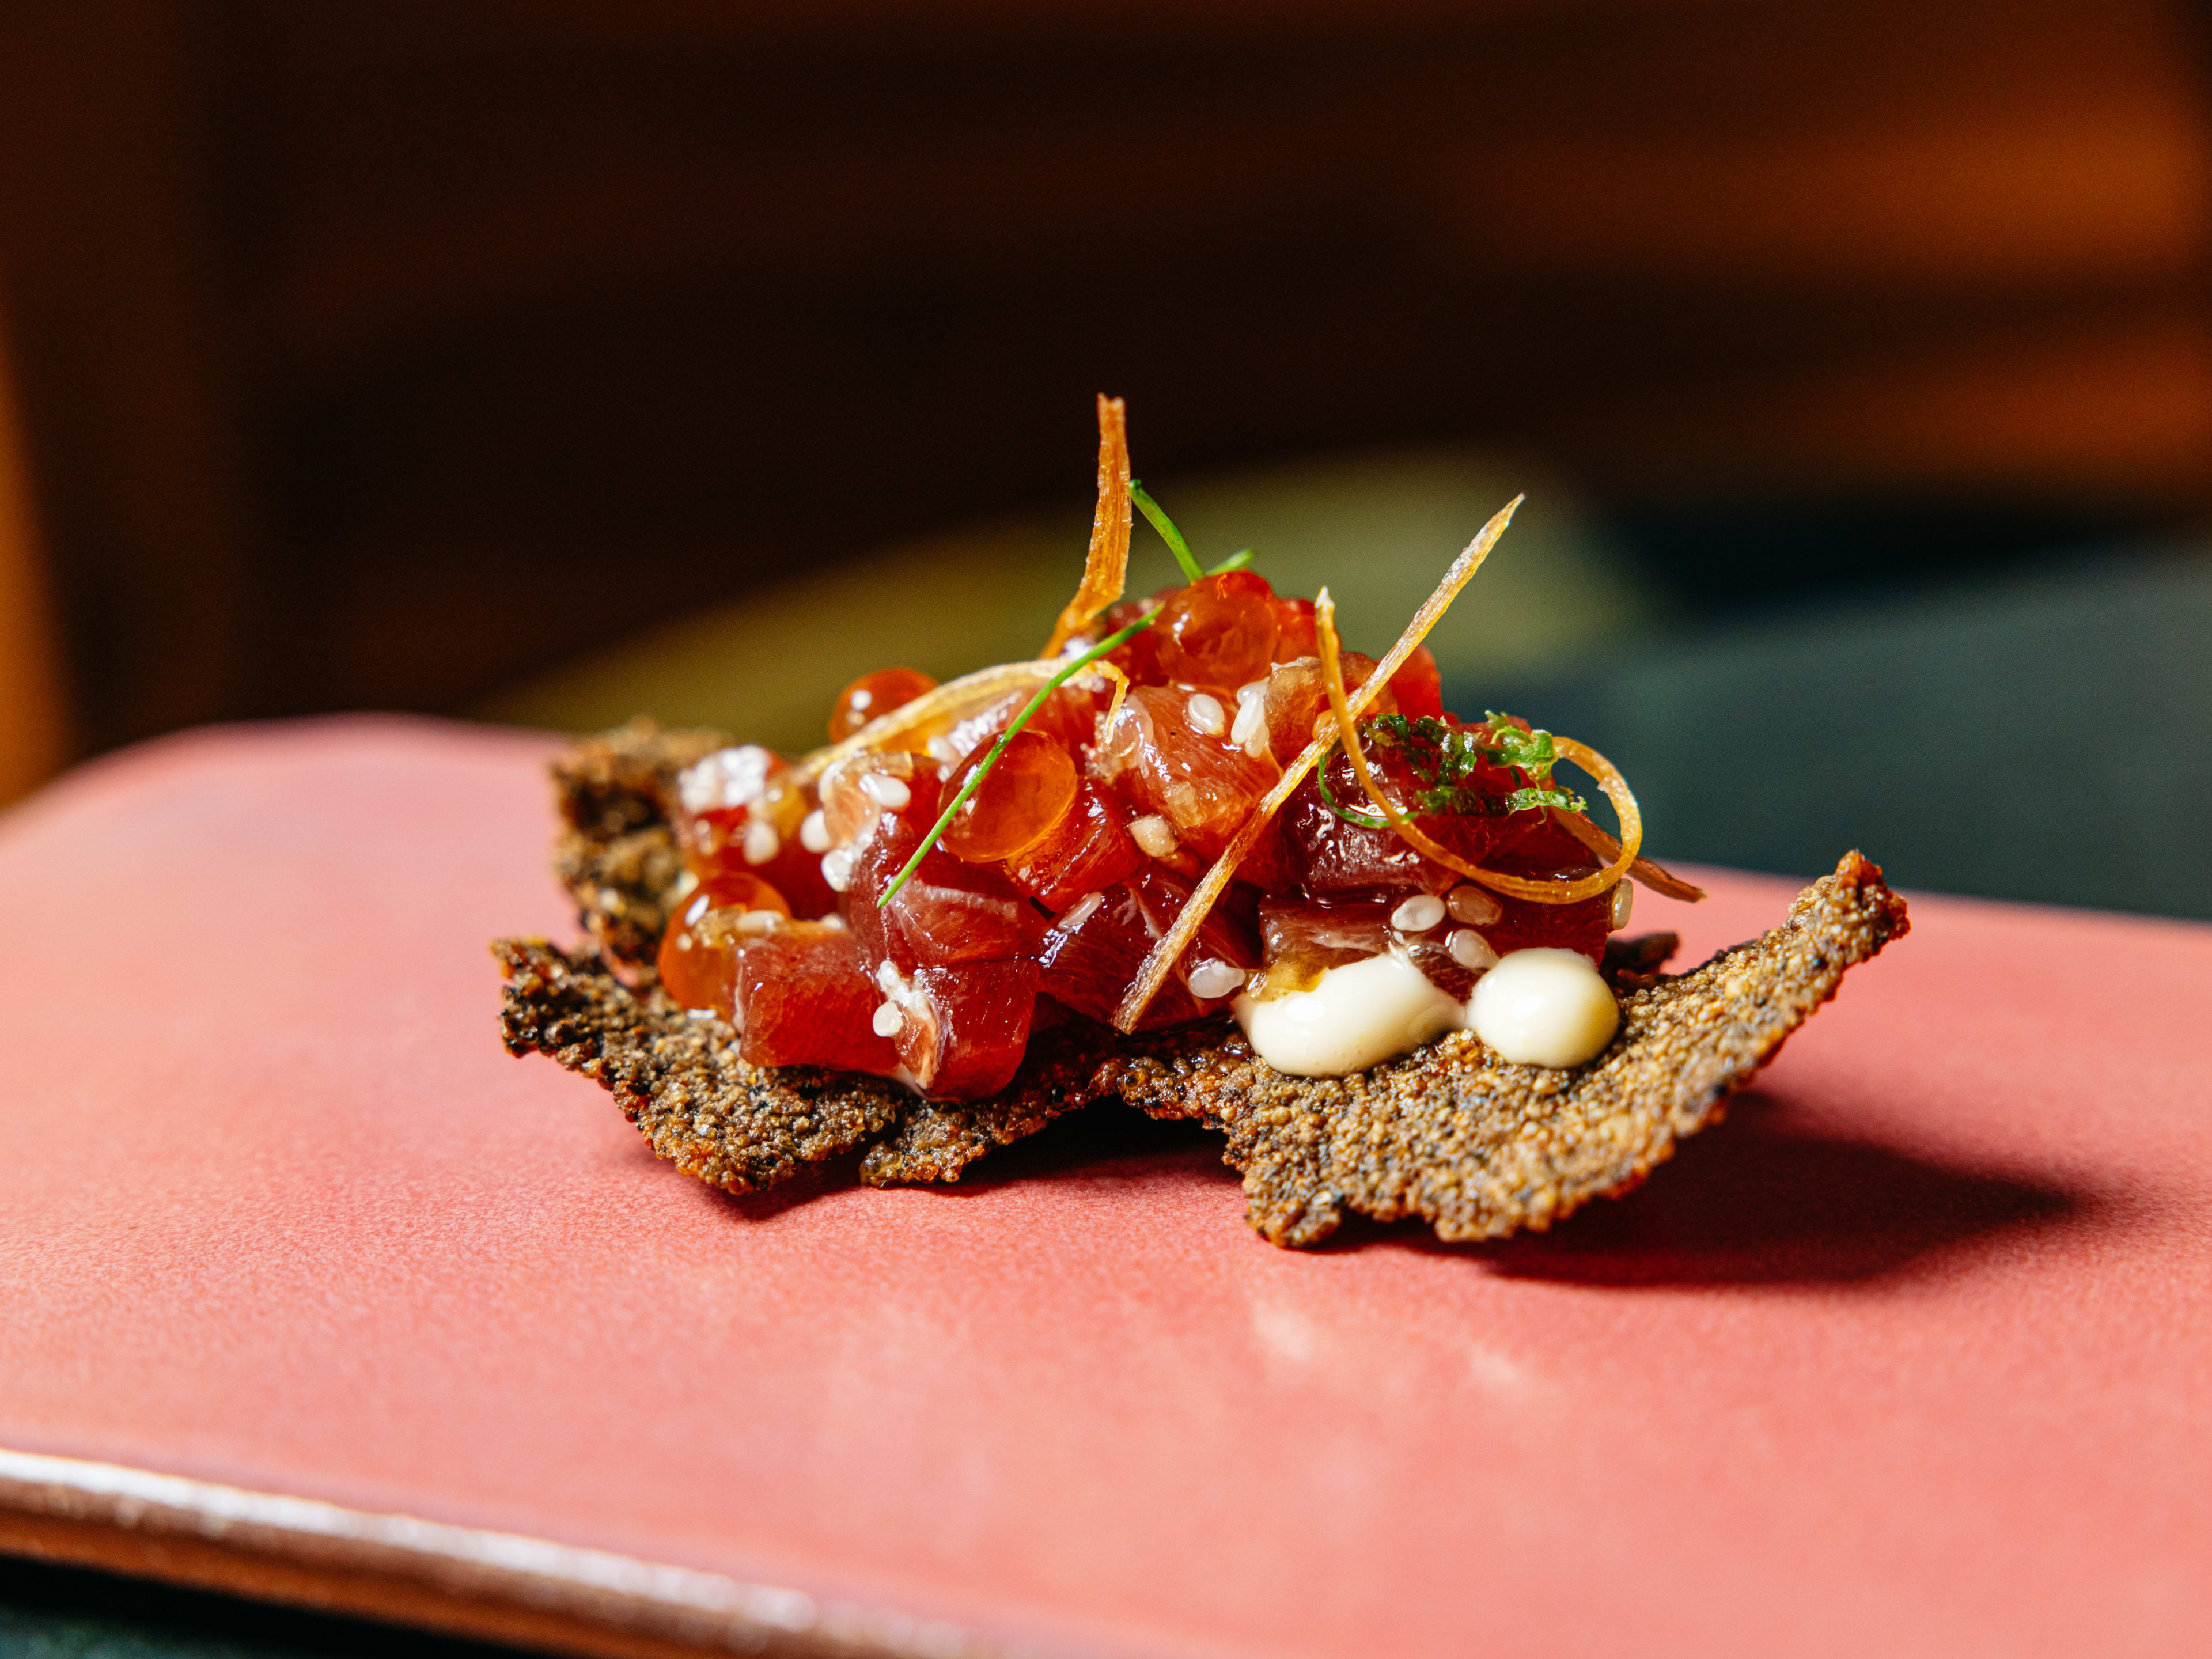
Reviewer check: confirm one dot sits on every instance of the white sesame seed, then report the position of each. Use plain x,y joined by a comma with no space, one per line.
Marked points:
1251,723
888,1020
889,977
1251,692
1623,904
833,920
728,777
1154,835
1211,981
837,868
1080,912
1207,717
1419,914
1470,904
759,921
814,832
885,790
941,749
1470,949
762,842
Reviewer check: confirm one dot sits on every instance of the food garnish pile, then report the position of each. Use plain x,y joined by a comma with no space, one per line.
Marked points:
1196,857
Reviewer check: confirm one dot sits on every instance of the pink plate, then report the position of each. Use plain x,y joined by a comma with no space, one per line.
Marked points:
310,1290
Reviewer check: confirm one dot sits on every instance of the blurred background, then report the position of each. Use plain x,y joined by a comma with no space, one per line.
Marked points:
548,362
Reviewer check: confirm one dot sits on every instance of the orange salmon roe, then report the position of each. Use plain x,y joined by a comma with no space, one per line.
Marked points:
1020,801
873,695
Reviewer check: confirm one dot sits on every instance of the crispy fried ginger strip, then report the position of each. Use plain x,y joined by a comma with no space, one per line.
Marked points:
1106,568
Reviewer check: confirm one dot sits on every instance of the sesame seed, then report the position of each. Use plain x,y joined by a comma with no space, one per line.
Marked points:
1211,981
762,842
814,832
1470,904
1207,718
1623,904
1470,949
1080,912
887,1021
885,790
1251,722
1154,835
837,868
1418,914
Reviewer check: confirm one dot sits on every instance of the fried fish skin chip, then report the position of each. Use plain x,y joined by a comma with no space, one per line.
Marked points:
1479,1147
618,854
738,1127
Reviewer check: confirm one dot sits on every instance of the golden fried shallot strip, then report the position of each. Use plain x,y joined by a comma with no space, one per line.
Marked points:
1657,877
1541,892
1167,949
1106,568
954,700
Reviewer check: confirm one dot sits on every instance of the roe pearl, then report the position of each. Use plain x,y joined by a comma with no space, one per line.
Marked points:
886,791
1623,904
1419,914
814,832
887,1021
1211,980
1544,1007
1470,949
762,842
1207,717
1470,904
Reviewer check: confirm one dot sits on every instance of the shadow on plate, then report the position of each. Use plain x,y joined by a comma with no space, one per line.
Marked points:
1756,1202
1753,1201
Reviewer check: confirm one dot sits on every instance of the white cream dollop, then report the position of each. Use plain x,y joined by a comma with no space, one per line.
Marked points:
1544,1007
1357,1016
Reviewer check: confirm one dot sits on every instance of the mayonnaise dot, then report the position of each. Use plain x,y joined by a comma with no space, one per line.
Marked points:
1358,1016
1544,1007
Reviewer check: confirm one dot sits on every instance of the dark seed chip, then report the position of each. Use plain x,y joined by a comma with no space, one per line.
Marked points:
679,1079
618,854
1477,1146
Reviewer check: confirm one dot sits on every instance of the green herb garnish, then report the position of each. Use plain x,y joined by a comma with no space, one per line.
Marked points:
1442,758
1174,537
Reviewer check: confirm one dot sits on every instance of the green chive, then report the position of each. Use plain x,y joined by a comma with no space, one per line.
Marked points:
1169,533
1111,642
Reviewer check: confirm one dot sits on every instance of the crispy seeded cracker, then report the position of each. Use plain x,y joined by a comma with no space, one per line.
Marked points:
741,1126
1479,1147
1474,1145
679,1079
617,854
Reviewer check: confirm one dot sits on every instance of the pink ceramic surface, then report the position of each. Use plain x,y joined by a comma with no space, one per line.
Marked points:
1914,1354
